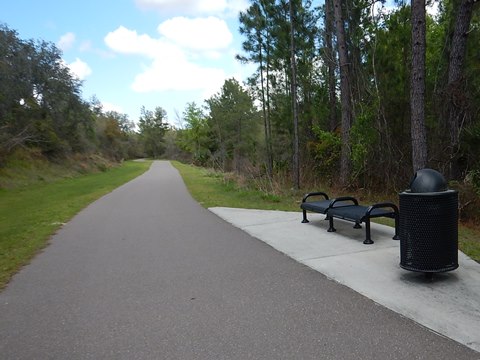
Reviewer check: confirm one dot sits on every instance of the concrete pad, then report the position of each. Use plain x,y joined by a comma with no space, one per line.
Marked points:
448,304
285,232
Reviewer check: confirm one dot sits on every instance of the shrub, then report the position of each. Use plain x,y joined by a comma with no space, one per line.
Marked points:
326,152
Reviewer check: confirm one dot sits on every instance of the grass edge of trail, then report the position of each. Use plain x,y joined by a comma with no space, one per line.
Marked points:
211,188
29,216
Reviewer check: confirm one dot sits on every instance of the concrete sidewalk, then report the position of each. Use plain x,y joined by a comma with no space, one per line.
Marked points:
449,304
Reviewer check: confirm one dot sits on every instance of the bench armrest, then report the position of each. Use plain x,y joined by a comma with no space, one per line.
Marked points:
382,205
317,193
343,198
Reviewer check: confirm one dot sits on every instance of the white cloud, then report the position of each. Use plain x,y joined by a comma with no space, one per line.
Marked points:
235,6
127,41
171,67
199,34
433,8
185,6
85,46
167,73
80,69
66,41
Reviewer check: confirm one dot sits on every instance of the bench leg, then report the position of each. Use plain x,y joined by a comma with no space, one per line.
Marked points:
368,240
305,220
396,236
357,225
330,222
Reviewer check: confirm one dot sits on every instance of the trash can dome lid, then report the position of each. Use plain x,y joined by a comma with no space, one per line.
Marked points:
428,180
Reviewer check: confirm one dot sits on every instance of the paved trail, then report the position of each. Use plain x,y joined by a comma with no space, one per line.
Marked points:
147,273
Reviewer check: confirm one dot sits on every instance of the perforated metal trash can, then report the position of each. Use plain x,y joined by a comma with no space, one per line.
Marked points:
428,226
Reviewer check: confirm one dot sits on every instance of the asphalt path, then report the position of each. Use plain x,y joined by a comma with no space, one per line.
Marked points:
147,273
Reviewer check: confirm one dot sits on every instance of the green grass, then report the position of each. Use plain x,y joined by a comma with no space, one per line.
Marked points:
211,189
30,215
469,242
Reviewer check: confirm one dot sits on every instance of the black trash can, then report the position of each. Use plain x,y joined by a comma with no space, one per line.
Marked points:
428,225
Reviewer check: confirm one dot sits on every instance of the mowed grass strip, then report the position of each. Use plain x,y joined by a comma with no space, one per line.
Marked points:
30,215
211,189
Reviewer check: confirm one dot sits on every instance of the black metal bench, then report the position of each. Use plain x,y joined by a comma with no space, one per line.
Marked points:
347,208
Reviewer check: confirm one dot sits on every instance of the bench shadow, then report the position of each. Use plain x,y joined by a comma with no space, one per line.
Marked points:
420,278
346,229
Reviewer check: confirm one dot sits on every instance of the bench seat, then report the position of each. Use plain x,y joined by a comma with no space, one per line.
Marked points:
358,212
316,206
322,206
361,213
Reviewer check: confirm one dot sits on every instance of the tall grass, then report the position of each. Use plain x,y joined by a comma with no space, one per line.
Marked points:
211,188
29,167
30,215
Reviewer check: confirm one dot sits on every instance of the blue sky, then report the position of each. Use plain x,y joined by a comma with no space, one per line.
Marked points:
134,53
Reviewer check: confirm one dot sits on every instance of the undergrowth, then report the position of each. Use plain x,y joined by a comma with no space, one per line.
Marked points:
26,167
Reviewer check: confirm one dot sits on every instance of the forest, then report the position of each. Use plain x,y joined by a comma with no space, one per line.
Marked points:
348,93
353,93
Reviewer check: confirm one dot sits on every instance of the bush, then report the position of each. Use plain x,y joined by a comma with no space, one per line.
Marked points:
364,139
468,197
326,152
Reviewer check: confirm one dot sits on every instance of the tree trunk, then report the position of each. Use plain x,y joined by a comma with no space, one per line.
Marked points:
330,61
293,84
237,152
269,123
456,103
266,118
417,86
345,89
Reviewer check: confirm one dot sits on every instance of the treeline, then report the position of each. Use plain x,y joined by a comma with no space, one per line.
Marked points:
340,95
345,102
41,107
